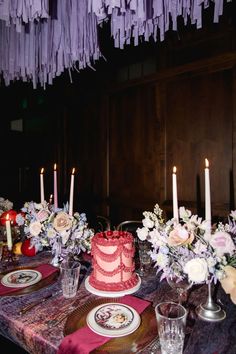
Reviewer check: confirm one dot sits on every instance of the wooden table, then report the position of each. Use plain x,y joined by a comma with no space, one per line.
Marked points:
31,331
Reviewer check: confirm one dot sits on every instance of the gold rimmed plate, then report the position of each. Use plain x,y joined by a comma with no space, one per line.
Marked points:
21,278
41,283
137,340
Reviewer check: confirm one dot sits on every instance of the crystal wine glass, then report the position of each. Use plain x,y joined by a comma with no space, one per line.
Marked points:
181,286
179,283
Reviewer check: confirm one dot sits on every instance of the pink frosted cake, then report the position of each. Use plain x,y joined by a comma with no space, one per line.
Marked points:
113,261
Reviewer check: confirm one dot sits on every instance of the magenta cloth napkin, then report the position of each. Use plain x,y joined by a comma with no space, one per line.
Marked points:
84,340
44,269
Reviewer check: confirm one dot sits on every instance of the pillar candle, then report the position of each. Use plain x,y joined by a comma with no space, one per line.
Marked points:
42,186
207,194
175,198
8,230
55,187
71,192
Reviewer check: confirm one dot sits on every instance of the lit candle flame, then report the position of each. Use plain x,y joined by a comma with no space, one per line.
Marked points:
42,171
73,171
7,217
174,169
55,166
206,163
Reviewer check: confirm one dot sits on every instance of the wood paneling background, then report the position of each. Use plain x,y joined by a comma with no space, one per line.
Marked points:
124,127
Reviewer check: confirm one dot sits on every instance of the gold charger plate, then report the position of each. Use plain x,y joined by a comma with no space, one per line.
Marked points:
131,343
31,288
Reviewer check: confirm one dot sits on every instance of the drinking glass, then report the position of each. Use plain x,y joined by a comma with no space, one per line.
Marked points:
70,271
181,286
144,257
171,322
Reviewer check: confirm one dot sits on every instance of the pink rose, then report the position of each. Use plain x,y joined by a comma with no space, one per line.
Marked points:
180,236
222,243
42,215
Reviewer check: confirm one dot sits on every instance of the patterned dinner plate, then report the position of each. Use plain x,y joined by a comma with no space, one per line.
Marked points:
133,342
21,278
113,320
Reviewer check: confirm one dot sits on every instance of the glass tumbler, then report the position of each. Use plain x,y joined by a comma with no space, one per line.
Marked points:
70,271
171,322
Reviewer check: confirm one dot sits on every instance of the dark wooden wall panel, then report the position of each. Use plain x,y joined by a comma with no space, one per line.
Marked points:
199,117
175,121
134,140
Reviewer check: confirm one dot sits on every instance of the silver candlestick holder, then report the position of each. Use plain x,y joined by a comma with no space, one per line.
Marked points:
210,311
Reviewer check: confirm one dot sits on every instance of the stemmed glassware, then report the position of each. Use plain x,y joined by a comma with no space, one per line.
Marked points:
144,257
181,286
179,283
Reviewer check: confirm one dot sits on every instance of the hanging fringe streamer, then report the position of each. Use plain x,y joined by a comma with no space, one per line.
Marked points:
143,19
38,42
43,50
19,12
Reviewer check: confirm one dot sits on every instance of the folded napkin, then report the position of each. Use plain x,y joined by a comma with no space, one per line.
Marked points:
84,340
44,269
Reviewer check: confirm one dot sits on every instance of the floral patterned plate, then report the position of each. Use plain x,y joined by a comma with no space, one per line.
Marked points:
113,320
21,278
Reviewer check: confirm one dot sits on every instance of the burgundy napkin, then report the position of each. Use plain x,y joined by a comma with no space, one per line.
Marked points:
84,340
44,269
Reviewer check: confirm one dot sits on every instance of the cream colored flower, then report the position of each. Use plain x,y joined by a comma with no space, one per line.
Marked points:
62,222
148,223
228,282
142,233
35,228
180,236
197,270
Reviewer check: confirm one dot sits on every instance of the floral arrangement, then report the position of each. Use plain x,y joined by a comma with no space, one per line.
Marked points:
187,250
65,234
5,205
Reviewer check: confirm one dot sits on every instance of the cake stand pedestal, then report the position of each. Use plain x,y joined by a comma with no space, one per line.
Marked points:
94,291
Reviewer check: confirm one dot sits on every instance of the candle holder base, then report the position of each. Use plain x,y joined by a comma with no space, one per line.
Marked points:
8,257
210,312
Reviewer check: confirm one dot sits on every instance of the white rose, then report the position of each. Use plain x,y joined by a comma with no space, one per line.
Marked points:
35,228
184,213
156,238
142,233
233,214
148,223
197,270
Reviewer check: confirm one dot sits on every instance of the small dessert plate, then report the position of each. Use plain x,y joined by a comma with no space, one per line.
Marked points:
21,278
113,320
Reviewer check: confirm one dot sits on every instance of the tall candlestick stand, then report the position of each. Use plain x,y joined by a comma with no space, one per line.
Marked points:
210,311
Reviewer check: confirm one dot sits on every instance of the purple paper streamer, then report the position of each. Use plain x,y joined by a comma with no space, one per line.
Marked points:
43,49
37,46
